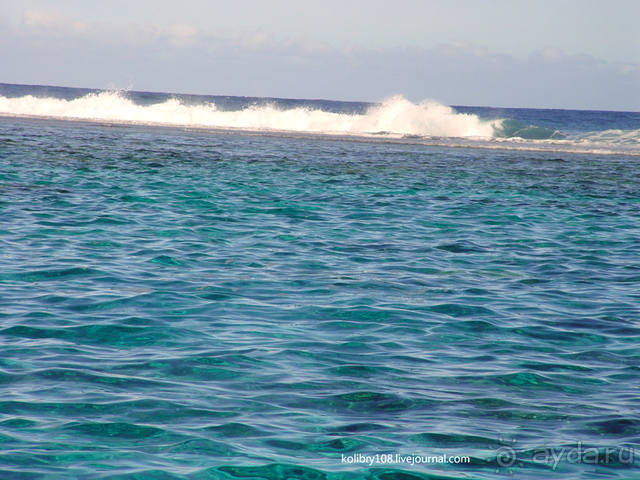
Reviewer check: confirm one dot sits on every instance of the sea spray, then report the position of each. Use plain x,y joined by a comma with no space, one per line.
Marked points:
394,116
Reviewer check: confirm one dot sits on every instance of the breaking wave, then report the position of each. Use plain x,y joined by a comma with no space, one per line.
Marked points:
395,116
427,122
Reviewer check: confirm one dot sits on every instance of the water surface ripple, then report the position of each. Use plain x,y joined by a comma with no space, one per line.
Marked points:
198,305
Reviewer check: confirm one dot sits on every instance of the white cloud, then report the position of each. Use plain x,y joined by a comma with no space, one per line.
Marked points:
182,34
44,23
552,54
43,18
182,57
48,21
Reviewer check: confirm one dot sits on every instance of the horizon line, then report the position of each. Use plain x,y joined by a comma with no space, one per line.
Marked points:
132,90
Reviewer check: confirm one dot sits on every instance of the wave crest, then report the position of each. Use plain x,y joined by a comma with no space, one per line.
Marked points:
395,116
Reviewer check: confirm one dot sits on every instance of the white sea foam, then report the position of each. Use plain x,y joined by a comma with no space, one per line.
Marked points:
396,119
395,116
613,136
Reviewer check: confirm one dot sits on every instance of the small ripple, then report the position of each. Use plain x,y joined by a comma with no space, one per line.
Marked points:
115,335
115,430
236,430
458,310
49,274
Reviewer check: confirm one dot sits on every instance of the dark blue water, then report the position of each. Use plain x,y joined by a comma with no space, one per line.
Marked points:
180,304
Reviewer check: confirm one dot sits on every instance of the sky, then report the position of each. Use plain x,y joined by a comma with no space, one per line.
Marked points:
555,54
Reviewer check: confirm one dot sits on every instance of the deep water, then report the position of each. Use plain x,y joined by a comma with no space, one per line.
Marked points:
181,304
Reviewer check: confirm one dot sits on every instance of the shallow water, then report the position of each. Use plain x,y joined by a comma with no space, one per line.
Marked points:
209,305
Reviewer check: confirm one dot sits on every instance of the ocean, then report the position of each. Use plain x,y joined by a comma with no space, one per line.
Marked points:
207,287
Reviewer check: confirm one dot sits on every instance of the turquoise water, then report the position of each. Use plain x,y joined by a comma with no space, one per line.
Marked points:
195,305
